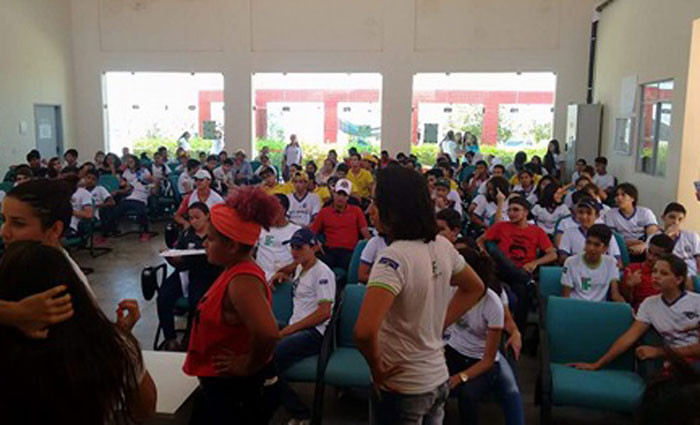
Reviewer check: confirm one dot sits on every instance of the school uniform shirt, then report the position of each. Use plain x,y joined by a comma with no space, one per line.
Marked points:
605,181
212,199
575,177
131,176
687,248
139,192
222,177
487,211
185,183
99,195
303,211
293,154
468,334
519,244
677,322
634,226
81,198
361,183
273,253
456,201
341,228
311,288
527,193
372,249
547,219
573,242
589,282
570,221
418,274
160,172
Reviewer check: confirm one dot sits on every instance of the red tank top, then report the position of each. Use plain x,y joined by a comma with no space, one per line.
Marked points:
210,334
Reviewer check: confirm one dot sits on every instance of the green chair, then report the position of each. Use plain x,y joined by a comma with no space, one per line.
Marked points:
549,285
151,280
624,253
582,331
109,182
282,303
354,267
696,284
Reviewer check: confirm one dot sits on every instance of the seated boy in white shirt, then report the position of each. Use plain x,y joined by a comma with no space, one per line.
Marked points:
573,240
590,275
602,179
313,285
687,243
272,252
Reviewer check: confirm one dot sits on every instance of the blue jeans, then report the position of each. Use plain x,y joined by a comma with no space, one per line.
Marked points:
291,349
498,381
389,408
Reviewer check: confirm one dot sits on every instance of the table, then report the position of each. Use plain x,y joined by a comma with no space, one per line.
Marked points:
174,387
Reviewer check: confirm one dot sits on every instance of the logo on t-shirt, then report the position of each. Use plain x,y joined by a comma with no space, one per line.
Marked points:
389,262
269,240
690,315
323,282
585,283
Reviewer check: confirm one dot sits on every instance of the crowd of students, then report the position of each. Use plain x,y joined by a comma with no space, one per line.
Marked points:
451,266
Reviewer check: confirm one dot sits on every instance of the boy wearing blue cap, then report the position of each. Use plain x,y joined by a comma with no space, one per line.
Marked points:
313,293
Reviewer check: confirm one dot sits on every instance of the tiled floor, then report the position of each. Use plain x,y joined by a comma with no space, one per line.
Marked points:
117,276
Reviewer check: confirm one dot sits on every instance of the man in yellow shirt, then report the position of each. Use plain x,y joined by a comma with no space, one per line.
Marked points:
360,178
270,185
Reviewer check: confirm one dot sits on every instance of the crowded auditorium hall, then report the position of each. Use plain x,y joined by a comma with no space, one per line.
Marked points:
425,212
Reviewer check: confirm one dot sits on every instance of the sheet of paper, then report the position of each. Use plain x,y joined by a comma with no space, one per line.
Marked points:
182,252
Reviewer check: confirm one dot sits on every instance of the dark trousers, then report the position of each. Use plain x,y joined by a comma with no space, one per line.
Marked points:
498,381
168,294
337,257
290,350
128,205
517,279
239,400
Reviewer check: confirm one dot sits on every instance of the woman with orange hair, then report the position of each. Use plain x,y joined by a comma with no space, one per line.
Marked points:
234,331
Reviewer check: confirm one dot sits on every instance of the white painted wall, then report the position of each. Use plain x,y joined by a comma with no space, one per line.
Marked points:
35,67
650,39
397,38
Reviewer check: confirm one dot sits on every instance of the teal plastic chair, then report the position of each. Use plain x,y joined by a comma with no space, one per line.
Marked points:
696,284
582,331
353,269
346,366
624,253
6,186
282,303
109,182
549,285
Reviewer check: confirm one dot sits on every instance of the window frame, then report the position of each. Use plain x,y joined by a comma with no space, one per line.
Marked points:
658,111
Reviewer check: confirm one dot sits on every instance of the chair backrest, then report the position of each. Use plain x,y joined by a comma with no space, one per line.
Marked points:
550,282
151,279
352,301
255,164
696,284
282,303
624,253
109,182
355,263
582,331
6,186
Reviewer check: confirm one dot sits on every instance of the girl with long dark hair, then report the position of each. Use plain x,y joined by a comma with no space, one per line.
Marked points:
87,370
552,159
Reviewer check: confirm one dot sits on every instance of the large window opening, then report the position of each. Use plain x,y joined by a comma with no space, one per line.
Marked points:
324,110
502,112
145,110
654,127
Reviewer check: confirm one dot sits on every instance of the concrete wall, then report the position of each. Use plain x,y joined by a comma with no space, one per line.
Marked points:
397,38
650,39
35,68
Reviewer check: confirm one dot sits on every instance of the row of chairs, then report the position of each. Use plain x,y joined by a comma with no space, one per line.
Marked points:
582,331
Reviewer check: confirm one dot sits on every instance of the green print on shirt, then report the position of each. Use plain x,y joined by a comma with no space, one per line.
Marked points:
269,240
585,283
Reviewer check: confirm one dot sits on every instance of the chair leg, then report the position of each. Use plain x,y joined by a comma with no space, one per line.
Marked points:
317,410
545,410
155,342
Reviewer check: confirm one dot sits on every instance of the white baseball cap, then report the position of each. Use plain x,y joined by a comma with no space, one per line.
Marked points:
202,174
344,185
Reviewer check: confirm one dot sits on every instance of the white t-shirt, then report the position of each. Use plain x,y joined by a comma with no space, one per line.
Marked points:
575,177
81,198
213,199
487,211
139,192
418,274
99,196
676,323
546,219
131,176
634,226
457,201
573,242
311,288
450,147
273,253
185,183
303,211
160,172
687,248
223,177
372,249
590,283
570,221
604,182
468,334
293,154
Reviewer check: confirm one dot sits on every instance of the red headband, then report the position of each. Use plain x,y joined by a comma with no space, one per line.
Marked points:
226,220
